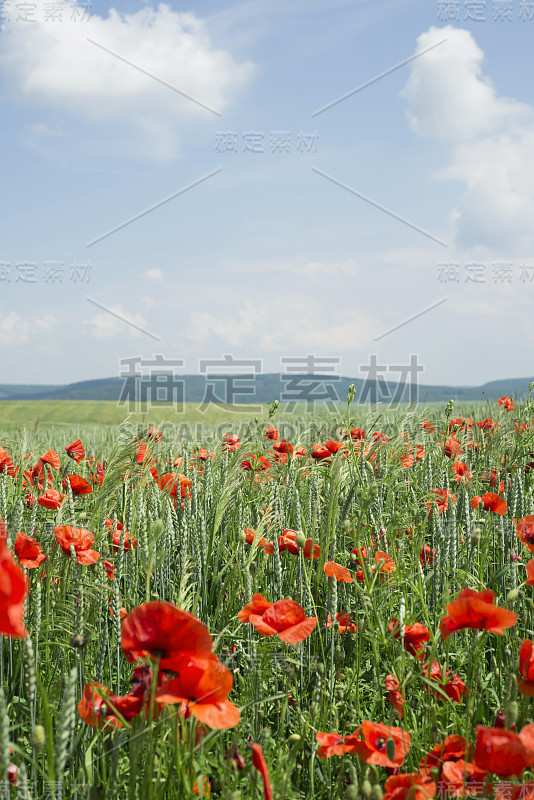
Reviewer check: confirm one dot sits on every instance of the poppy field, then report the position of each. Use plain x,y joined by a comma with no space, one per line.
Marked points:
348,614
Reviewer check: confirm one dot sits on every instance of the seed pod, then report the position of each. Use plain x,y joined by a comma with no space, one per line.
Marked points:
300,539
366,789
390,748
38,737
376,792
512,713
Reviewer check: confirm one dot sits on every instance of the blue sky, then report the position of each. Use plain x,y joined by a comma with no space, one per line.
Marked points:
269,256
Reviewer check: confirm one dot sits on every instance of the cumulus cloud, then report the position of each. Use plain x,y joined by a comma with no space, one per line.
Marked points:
53,64
108,326
452,100
277,325
16,330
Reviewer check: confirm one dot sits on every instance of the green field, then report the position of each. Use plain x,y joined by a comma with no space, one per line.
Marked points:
102,412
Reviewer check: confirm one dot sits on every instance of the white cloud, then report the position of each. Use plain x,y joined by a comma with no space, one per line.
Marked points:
492,137
278,324
107,326
16,330
53,64
154,274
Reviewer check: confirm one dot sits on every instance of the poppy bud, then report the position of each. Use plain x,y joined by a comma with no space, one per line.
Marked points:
376,791
476,535
243,536
314,710
513,595
300,539
294,737
497,672
390,748
351,793
512,713
366,789
320,668
346,525
38,737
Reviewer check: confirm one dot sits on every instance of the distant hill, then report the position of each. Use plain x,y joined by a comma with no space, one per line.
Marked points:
259,389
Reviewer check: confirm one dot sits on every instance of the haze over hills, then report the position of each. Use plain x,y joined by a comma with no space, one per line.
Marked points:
262,388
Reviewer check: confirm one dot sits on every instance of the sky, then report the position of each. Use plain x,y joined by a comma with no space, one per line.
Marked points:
261,181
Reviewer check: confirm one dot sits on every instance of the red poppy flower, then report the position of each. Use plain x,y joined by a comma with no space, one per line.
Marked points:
380,437
13,591
28,551
460,423
441,497
251,537
92,707
231,442
253,462
427,556
530,572
6,464
410,786
320,452
78,484
285,618
76,451
288,541
79,538
155,434
120,535
98,708
283,446
462,778
450,683
170,481
358,555
271,433
525,682
202,684
332,744
372,749
414,636
507,403
490,502
162,629
110,569
525,530
260,764
454,748
395,696
427,426
504,752
338,572
411,455
486,424
51,458
476,610
51,499
345,622
462,472
453,448
385,562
